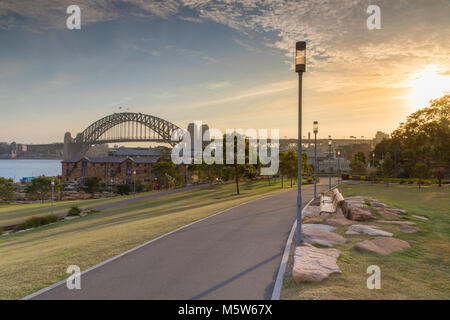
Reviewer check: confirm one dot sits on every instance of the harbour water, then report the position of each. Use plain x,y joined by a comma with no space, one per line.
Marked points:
18,169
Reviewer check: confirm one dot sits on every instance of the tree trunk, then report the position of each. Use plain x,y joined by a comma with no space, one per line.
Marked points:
439,178
282,182
269,180
237,178
291,182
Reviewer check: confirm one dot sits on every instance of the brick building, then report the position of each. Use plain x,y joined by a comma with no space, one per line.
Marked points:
115,170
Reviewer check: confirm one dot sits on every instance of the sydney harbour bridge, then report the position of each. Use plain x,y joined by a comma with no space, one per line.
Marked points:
119,127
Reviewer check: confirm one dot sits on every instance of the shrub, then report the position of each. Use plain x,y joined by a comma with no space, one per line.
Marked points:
150,186
74,211
35,222
1,231
123,189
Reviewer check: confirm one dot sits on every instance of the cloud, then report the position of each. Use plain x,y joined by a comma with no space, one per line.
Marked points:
218,85
49,14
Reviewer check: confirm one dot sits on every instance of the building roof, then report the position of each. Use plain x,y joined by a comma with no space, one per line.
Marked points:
137,152
111,160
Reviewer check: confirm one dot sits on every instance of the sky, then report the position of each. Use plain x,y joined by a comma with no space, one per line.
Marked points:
226,63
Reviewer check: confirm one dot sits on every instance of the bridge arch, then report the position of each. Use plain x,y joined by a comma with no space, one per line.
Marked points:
119,127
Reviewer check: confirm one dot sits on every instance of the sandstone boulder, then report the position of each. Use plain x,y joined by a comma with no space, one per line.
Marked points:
311,211
377,204
359,214
338,221
382,245
318,226
313,219
321,237
405,223
420,217
363,229
408,229
388,213
314,264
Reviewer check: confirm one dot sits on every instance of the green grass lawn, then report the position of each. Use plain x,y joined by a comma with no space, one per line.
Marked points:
10,214
37,258
421,272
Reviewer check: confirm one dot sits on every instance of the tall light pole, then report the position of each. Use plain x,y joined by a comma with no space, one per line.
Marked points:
329,147
300,67
134,185
339,166
53,189
316,130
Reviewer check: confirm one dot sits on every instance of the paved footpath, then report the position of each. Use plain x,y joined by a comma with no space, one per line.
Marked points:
233,255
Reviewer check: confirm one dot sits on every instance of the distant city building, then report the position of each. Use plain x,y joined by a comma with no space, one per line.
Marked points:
327,162
115,170
379,136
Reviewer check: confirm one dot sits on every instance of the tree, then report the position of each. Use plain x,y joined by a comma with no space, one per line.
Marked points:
246,169
388,167
7,190
423,139
288,164
306,167
140,186
421,171
39,188
358,163
166,171
92,184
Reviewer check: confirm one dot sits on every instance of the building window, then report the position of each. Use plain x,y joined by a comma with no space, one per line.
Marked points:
84,168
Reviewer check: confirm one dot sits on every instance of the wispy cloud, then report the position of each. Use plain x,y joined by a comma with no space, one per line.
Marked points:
219,85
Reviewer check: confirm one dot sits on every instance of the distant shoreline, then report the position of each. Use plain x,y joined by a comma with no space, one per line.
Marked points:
31,159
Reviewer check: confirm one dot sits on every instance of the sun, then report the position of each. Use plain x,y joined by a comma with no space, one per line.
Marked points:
428,85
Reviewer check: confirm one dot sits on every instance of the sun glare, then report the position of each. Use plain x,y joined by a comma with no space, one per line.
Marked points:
429,85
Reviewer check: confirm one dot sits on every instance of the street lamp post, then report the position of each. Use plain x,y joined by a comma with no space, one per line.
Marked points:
53,189
339,166
316,130
329,153
110,187
373,166
300,67
134,185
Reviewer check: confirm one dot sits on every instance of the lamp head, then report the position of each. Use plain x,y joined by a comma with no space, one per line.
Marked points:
300,56
316,127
